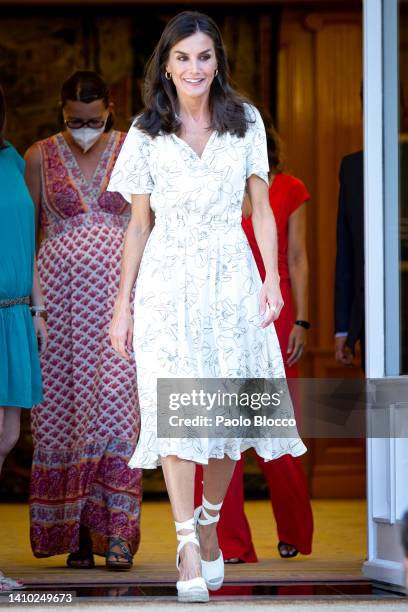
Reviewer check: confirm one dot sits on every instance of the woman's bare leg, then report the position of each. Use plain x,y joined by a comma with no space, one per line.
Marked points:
9,430
9,434
216,478
179,476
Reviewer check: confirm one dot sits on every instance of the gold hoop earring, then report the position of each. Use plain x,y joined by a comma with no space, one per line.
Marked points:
167,77
216,72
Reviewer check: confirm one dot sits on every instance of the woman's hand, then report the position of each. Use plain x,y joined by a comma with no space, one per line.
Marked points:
296,344
121,331
41,332
270,302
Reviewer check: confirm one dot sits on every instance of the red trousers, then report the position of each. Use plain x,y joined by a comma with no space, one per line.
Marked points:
285,477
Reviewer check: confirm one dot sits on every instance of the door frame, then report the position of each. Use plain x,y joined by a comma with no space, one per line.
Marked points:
386,457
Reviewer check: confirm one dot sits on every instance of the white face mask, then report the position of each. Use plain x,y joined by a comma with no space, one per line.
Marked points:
86,137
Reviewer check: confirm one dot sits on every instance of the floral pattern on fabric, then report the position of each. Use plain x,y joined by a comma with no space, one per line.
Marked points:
197,291
86,429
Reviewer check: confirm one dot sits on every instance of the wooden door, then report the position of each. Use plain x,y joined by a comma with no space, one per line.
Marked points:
319,117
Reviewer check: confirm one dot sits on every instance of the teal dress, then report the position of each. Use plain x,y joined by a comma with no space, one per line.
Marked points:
20,374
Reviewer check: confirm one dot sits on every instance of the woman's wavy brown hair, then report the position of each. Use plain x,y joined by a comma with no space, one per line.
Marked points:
160,96
2,118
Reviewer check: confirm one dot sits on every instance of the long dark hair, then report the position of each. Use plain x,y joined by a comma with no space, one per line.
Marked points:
86,86
2,117
160,96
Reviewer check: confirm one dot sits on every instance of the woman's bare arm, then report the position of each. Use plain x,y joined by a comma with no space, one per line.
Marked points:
136,236
37,300
298,273
297,261
33,179
264,226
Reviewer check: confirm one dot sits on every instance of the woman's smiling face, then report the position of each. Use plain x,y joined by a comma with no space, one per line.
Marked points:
192,63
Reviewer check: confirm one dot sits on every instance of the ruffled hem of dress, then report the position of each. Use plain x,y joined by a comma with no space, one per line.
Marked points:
297,449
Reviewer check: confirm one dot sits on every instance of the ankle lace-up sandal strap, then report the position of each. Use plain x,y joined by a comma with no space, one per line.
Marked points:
209,518
183,538
209,506
195,589
213,571
188,524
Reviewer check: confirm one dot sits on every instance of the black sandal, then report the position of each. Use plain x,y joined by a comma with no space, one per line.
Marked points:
125,553
82,558
289,554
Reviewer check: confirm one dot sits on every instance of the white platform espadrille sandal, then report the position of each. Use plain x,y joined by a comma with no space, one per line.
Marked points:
195,589
213,571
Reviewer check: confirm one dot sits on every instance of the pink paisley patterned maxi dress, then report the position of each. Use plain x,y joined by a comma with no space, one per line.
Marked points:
86,429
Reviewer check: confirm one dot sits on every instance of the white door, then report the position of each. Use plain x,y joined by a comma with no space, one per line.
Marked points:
386,285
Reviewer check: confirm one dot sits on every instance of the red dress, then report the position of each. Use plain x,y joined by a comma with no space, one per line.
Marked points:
285,476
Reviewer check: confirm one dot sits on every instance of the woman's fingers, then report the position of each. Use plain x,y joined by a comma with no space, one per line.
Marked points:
270,315
291,342
272,311
120,333
279,309
44,338
296,354
129,339
297,342
40,327
119,344
270,303
268,318
122,350
262,303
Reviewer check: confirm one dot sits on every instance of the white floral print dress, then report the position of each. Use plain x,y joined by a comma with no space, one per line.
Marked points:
197,291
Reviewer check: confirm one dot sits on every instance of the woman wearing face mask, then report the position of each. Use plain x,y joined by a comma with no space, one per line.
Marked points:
84,498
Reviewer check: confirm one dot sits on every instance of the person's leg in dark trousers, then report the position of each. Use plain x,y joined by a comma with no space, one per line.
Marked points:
289,497
286,478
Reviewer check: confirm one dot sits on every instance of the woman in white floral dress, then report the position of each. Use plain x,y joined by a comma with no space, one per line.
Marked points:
200,308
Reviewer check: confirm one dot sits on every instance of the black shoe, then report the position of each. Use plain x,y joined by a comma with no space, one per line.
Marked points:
285,553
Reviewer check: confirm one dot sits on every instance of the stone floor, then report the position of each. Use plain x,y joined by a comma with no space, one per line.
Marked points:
331,575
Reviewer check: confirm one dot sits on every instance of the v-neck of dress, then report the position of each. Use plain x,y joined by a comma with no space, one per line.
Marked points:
98,165
89,189
190,148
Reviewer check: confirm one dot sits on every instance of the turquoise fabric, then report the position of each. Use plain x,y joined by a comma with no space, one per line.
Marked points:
20,375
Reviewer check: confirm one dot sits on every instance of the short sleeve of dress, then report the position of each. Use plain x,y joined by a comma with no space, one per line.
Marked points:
298,194
131,172
256,149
